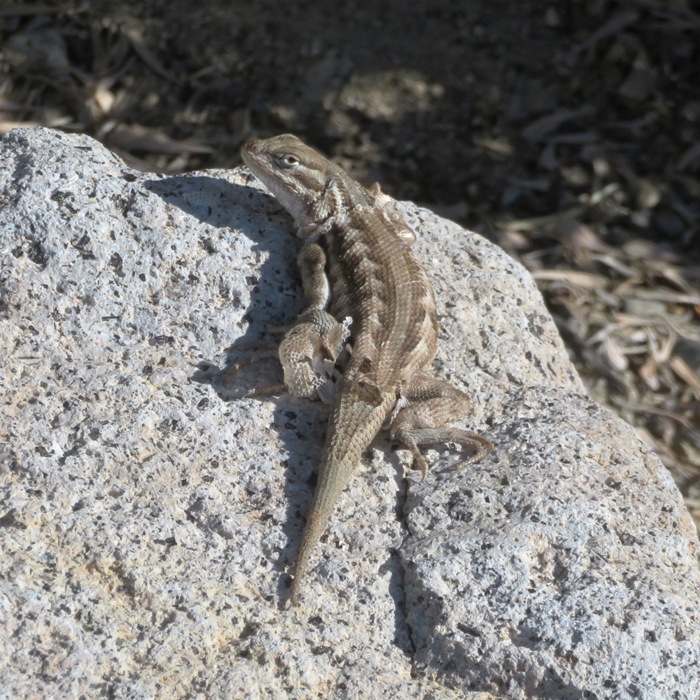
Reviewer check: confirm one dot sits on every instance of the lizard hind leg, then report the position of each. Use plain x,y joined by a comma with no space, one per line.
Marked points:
424,414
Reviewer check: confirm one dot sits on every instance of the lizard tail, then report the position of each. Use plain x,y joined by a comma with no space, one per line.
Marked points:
353,425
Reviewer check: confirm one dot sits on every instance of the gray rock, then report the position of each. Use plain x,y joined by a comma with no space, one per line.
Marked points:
147,521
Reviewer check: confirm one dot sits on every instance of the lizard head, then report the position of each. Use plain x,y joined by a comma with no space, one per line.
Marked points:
298,176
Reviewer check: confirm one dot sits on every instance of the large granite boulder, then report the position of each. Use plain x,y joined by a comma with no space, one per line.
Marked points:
149,514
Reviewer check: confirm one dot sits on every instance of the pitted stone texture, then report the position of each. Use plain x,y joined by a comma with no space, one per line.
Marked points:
568,562
146,523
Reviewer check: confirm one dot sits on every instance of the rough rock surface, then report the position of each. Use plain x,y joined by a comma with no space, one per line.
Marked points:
147,522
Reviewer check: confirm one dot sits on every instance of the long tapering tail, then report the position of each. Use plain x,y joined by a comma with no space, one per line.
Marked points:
357,417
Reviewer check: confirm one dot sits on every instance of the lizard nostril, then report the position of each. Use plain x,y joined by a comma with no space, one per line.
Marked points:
252,146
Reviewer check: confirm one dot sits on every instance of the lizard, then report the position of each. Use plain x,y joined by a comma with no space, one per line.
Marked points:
361,276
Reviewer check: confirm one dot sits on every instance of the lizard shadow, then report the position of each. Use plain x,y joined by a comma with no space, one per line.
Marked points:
393,564
276,297
275,285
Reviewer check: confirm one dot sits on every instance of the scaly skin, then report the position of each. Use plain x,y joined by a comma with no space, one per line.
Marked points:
373,278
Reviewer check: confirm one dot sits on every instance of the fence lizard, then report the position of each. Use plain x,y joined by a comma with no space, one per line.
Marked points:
358,270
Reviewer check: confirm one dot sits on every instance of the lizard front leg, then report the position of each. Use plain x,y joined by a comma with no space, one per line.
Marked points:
311,346
423,415
312,343
308,354
387,206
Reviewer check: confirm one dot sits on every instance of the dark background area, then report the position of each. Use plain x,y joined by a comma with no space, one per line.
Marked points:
566,132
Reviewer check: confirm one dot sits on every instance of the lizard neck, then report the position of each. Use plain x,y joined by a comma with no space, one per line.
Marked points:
330,206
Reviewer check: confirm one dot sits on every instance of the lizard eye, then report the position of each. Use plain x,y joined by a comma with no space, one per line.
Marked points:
288,161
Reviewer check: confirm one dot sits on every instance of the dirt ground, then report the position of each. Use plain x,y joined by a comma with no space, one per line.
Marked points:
565,131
